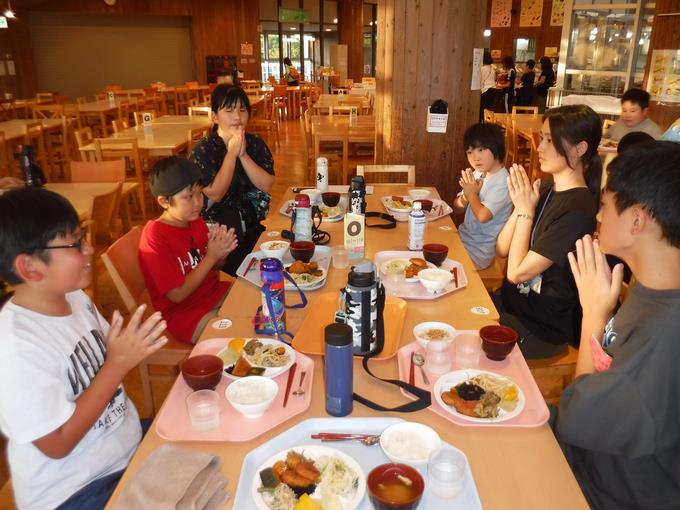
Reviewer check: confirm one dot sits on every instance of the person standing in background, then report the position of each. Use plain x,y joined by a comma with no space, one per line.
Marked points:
526,92
292,75
545,80
507,86
488,82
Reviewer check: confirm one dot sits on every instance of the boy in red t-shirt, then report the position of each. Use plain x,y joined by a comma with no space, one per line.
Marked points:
178,255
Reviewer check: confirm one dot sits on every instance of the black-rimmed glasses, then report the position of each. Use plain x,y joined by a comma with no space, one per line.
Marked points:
79,244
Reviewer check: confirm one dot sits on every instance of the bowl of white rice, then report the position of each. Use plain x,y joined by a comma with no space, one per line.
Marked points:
410,443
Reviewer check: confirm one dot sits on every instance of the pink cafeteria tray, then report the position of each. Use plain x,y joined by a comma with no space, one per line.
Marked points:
415,290
535,412
173,422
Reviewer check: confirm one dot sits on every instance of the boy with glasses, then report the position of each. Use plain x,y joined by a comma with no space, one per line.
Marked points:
71,428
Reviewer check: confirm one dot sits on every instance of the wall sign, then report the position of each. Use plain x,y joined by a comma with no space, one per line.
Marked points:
246,48
293,15
3,22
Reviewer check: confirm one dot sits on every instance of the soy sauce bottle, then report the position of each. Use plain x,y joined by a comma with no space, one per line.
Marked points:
33,174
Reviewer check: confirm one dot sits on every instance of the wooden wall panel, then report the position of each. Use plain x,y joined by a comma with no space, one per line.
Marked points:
351,33
545,35
665,36
218,27
420,58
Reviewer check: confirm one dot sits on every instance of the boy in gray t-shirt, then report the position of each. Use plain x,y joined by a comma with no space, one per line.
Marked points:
618,420
484,195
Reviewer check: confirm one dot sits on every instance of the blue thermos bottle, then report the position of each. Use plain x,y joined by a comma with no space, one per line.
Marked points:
338,366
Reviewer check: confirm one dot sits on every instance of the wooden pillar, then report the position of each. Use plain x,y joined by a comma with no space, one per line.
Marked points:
351,33
425,51
16,41
665,36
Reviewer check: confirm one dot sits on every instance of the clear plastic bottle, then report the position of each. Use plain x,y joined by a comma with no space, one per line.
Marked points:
416,227
322,174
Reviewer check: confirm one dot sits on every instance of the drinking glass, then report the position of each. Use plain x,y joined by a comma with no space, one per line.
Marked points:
438,357
468,347
394,282
204,410
446,472
340,257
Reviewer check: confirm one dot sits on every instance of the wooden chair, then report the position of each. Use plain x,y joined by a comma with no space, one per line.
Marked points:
119,125
553,374
408,170
516,150
493,276
125,148
84,137
7,110
182,97
99,225
606,124
533,110
48,111
199,111
488,116
280,99
113,88
59,147
361,140
121,261
193,136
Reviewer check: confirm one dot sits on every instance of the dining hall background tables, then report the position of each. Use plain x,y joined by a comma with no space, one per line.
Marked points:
513,467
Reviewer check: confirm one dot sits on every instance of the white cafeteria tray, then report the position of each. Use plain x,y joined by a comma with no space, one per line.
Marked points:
367,457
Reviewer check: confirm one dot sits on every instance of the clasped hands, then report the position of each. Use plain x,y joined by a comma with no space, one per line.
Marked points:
469,184
523,193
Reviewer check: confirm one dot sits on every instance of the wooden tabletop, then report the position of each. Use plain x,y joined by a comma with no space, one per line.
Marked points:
194,121
103,106
14,129
514,468
80,193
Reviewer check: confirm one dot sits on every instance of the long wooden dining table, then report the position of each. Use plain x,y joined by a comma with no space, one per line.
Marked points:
513,467
80,194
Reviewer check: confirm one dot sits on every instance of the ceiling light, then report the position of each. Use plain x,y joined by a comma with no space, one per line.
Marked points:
335,20
9,13
487,32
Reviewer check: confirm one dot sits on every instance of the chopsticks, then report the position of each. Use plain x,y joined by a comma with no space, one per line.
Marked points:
411,371
289,383
455,276
252,262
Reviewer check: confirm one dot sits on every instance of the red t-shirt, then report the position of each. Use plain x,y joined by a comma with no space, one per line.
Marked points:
167,253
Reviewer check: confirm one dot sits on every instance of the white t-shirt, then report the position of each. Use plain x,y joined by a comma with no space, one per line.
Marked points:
478,238
45,364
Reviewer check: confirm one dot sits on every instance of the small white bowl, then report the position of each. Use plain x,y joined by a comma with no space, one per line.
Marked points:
313,194
410,443
420,330
275,249
252,395
434,280
418,194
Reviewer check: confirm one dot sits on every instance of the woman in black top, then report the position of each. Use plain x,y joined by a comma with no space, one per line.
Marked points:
507,86
538,297
545,80
238,172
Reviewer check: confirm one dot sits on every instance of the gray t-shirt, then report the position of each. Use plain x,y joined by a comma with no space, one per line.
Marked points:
478,238
620,429
619,129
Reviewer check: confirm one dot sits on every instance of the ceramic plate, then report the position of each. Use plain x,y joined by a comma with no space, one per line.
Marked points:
350,501
305,280
393,266
448,381
333,214
269,371
403,206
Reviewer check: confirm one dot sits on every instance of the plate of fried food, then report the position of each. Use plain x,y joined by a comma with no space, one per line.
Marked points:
479,396
256,356
397,203
310,476
410,267
306,274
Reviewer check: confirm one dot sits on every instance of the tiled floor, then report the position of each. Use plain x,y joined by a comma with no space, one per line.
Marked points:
290,161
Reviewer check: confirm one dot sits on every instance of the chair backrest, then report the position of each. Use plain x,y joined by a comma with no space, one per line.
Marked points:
193,136
408,170
113,88
48,111
103,212
119,125
280,91
98,171
488,115
606,124
533,110
84,137
122,262
199,111
116,148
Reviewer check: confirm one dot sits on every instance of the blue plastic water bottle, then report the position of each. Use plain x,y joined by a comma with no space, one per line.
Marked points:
273,295
338,365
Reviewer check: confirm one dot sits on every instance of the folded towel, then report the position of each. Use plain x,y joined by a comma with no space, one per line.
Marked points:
178,479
